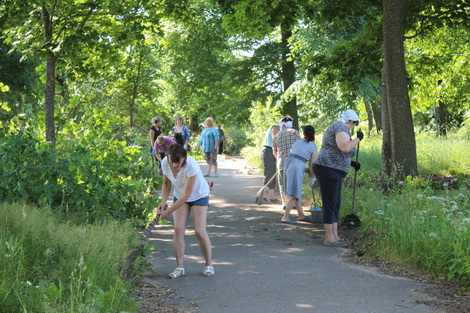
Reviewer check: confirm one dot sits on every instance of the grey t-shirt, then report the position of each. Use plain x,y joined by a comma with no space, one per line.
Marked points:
330,155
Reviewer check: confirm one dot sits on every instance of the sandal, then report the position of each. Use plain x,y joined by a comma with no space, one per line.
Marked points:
208,271
178,272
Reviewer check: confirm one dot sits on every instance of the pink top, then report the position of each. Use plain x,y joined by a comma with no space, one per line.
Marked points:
162,148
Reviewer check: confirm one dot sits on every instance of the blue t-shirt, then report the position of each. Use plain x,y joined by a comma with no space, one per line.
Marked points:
208,139
268,138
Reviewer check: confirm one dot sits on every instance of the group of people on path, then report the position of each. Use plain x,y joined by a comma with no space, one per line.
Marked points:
285,154
283,147
211,141
182,174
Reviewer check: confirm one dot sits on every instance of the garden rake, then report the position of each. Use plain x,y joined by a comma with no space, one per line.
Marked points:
260,195
352,220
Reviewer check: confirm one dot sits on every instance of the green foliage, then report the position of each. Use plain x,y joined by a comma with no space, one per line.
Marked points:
95,176
262,116
49,266
438,69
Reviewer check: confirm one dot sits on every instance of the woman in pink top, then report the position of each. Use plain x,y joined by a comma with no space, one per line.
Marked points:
161,146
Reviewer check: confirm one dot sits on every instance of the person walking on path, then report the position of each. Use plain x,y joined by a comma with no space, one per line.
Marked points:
269,162
302,151
331,166
191,193
281,147
180,133
221,139
210,145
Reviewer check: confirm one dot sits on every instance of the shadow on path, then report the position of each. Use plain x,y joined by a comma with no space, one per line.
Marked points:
262,265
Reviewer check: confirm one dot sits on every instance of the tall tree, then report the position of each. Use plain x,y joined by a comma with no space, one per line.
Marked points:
73,34
403,143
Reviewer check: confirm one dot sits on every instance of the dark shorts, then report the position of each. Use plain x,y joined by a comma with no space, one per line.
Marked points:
199,202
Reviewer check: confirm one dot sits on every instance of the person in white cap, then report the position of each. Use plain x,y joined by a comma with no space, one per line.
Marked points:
331,166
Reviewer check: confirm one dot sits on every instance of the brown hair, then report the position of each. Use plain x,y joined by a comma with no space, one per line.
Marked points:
176,152
309,133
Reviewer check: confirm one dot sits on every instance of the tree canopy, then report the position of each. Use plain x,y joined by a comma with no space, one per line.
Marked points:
63,61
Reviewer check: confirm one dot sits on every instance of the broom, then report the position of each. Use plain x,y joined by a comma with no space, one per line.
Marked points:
260,195
352,220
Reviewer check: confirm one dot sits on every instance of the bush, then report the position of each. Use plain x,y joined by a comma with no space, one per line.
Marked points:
49,266
95,176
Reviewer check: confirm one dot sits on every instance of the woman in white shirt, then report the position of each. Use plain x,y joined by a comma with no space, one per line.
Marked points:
191,192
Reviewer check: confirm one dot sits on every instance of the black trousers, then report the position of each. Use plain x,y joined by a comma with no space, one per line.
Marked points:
269,163
330,181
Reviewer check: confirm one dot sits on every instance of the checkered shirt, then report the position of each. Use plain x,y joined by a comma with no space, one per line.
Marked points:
283,142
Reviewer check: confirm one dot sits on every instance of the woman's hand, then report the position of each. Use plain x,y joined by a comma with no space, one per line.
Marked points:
162,210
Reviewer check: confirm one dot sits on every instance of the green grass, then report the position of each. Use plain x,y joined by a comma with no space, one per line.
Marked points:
49,266
428,230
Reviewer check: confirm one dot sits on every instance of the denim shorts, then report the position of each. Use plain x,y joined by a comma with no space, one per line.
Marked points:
199,202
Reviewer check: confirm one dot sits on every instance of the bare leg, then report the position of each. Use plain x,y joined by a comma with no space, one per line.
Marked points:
329,233
264,193
289,206
300,211
209,169
335,231
180,217
215,169
200,227
284,199
271,194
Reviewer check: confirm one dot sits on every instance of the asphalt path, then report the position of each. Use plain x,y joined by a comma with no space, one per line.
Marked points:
262,265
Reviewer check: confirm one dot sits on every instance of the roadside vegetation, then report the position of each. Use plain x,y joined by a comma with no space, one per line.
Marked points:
48,265
82,80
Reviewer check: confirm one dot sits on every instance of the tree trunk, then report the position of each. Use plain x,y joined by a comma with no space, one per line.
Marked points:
370,115
403,140
386,134
49,91
135,89
376,110
441,116
288,75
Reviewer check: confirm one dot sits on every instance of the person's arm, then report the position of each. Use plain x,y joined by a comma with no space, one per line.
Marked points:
273,135
275,150
217,140
156,151
187,136
166,187
344,142
313,155
203,133
152,137
188,189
